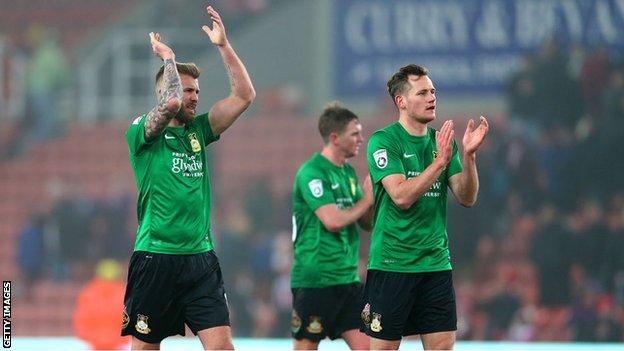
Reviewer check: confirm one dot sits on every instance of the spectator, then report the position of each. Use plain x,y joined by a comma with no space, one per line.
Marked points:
30,252
47,77
96,318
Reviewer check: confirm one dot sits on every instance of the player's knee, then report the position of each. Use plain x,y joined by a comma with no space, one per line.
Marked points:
382,344
141,345
305,344
446,343
218,345
225,345
219,338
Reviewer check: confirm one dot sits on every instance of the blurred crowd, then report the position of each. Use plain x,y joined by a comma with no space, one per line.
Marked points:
538,258
35,76
67,234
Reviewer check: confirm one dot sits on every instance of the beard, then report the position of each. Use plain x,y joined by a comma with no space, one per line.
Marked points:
183,118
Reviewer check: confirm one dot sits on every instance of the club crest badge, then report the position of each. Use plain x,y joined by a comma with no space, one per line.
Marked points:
353,184
376,323
195,145
295,322
314,325
381,158
366,315
141,324
316,187
125,319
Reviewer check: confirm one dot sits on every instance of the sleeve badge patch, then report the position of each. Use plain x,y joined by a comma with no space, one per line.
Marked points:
316,187
381,158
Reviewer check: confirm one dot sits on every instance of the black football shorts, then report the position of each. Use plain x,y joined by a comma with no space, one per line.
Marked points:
164,292
329,311
401,304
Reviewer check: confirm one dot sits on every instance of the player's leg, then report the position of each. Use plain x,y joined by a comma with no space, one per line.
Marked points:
306,325
151,312
205,305
356,339
434,316
305,344
141,345
381,344
438,341
349,319
217,338
389,299
314,315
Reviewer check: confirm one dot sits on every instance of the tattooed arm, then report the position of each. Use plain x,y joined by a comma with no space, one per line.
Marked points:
226,111
169,91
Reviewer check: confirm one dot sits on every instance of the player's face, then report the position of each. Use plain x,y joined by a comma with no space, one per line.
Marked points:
351,139
420,101
190,98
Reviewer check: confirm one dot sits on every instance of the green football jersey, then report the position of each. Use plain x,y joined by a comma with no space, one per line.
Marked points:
173,185
415,239
323,258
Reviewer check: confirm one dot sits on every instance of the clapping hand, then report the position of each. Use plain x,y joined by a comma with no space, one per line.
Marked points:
444,142
159,48
217,32
473,137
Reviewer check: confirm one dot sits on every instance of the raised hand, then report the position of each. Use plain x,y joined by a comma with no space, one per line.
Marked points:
444,142
473,137
159,48
217,32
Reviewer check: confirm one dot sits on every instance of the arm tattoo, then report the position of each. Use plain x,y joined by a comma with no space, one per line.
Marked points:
231,77
161,114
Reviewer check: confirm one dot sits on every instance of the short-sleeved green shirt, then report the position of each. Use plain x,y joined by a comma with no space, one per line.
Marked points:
415,239
323,258
173,185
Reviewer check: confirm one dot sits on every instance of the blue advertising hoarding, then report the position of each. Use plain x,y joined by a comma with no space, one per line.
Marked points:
468,45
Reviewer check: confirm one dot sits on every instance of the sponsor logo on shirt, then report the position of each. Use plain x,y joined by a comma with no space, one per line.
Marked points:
188,165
